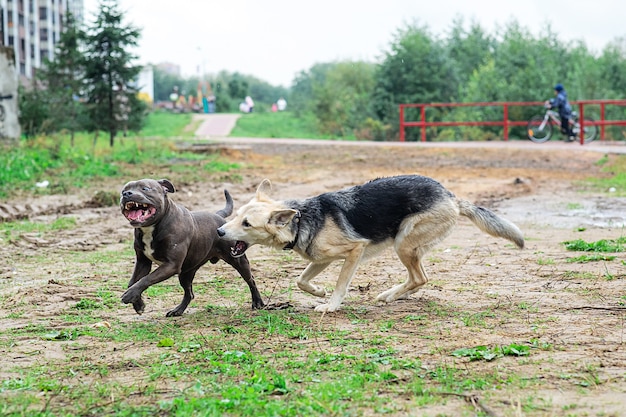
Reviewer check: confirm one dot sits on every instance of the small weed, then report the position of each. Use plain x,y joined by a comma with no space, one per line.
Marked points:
13,230
543,261
604,245
489,354
590,258
88,304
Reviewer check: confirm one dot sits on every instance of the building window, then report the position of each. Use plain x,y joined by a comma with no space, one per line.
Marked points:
11,40
43,13
43,34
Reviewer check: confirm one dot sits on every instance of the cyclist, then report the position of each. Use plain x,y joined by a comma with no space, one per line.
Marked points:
565,110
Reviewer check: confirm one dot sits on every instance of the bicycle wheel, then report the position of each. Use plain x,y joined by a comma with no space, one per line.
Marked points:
591,131
536,133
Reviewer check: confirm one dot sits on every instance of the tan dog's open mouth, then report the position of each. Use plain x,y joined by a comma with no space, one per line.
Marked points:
238,248
138,212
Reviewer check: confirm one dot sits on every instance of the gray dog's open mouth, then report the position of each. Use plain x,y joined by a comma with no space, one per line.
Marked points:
138,212
238,248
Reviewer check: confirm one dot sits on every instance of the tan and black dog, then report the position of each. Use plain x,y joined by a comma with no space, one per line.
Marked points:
411,212
179,241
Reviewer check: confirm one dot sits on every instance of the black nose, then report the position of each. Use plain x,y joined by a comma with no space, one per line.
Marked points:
127,193
220,232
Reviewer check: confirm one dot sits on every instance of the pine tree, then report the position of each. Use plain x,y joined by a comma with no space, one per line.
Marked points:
63,80
109,70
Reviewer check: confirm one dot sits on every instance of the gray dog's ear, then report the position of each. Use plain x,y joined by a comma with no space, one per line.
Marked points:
263,189
167,186
280,218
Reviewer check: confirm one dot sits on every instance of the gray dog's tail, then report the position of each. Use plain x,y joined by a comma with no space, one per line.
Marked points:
490,223
228,209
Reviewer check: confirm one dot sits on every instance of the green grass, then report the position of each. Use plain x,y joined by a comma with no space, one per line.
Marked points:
231,362
603,245
67,167
11,231
615,181
488,354
167,125
277,125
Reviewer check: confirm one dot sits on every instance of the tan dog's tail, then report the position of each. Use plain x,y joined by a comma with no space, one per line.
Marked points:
490,223
228,209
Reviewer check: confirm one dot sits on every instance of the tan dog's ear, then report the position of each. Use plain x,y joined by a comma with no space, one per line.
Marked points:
281,218
263,190
167,186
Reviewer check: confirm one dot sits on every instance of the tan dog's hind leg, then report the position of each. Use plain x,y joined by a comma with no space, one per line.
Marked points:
418,235
307,275
411,258
345,277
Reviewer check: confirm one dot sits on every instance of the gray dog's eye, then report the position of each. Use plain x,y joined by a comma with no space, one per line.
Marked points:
146,188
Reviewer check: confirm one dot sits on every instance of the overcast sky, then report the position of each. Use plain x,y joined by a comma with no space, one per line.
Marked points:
276,39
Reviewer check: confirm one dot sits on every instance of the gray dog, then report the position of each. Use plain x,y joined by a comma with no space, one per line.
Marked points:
179,241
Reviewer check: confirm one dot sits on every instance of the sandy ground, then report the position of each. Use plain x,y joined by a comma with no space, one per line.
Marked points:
530,294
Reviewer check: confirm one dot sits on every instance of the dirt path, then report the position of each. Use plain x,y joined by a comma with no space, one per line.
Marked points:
482,290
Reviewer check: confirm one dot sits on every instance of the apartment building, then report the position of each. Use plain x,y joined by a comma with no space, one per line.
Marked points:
32,28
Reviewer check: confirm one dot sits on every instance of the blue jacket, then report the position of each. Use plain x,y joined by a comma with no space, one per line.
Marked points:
561,103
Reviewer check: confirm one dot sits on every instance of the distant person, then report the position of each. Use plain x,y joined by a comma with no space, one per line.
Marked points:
243,107
250,104
274,108
565,110
211,100
281,104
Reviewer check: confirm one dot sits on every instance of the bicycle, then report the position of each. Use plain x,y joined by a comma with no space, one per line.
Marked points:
540,128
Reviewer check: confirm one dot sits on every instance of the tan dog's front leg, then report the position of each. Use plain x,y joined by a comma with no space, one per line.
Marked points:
345,277
308,274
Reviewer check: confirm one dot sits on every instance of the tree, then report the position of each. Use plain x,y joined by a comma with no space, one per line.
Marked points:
468,49
62,79
416,70
342,102
109,70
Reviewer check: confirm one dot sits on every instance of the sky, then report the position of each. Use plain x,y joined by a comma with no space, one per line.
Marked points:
274,40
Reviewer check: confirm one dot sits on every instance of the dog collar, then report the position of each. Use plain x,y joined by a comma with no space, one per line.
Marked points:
292,244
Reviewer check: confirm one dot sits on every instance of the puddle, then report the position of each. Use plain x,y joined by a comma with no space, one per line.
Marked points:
570,210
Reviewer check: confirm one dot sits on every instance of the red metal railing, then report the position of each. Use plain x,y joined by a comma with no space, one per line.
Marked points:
505,122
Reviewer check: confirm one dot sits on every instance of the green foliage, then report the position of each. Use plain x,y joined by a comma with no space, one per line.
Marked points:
603,245
11,231
342,102
166,125
109,71
417,69
352,99
66,165
489,354
62,79
591,258
285,124
34,111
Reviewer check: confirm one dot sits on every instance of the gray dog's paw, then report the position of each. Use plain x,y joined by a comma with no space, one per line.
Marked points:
130,297
139,306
